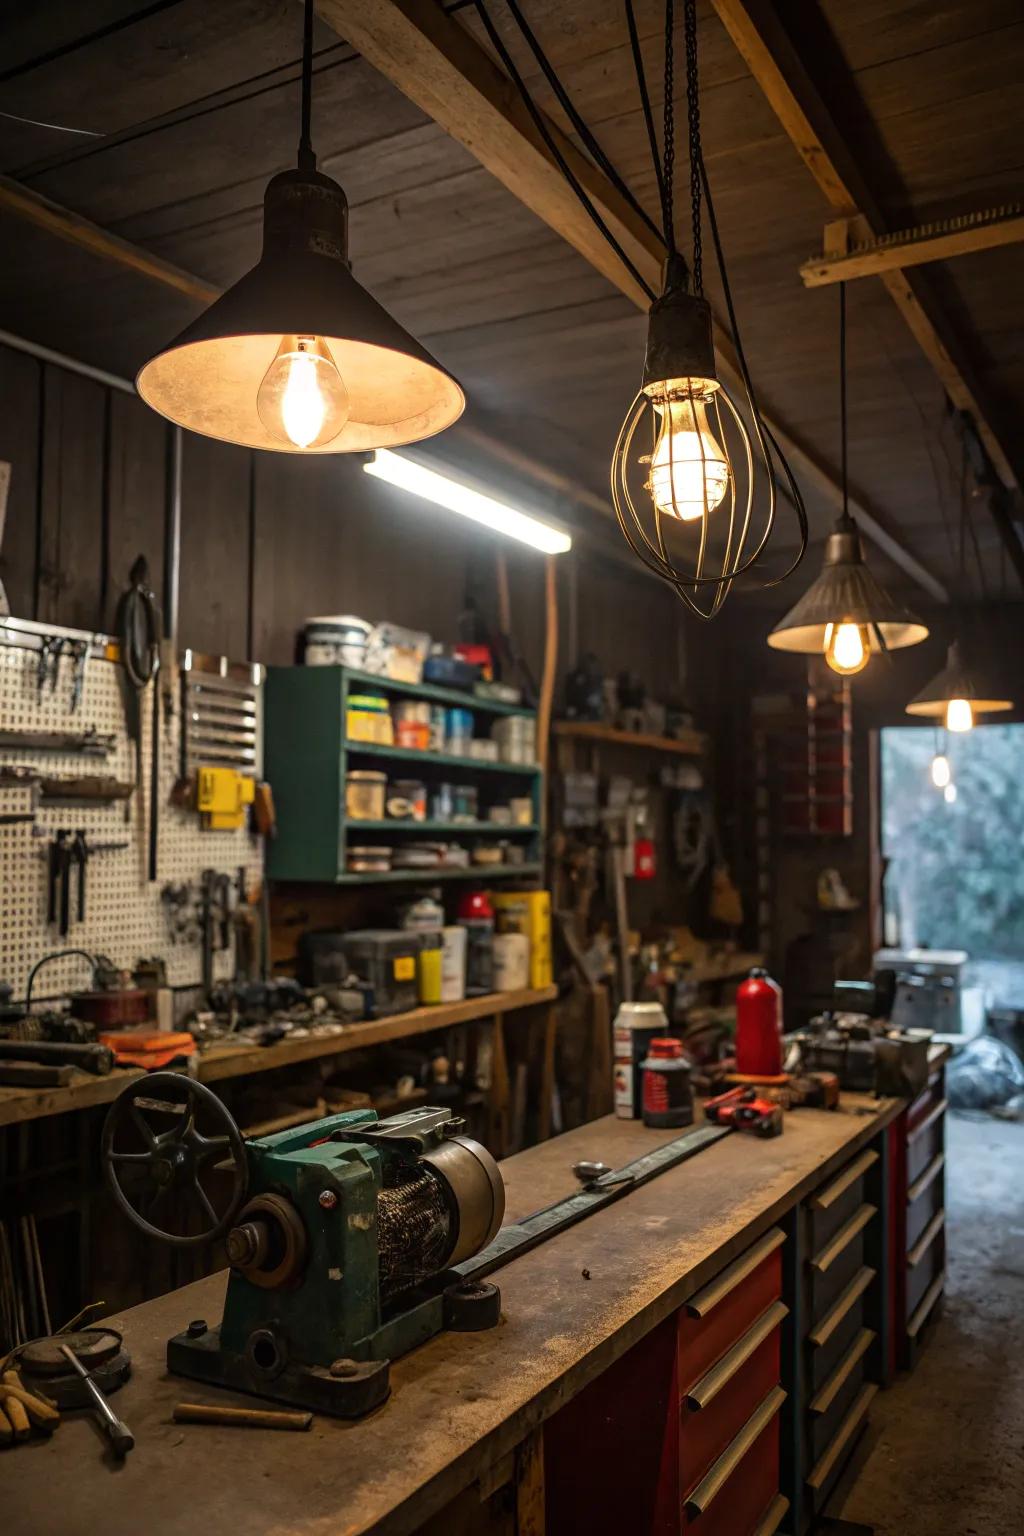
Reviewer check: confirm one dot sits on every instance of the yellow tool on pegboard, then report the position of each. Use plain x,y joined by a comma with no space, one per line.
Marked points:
222,795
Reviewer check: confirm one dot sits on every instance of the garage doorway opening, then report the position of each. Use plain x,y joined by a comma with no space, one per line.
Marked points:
954,850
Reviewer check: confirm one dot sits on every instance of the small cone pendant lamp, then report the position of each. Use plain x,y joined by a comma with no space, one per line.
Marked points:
845,613
956,695
297,357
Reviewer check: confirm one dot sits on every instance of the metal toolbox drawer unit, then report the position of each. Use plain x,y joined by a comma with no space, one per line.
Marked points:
923,1210
682,1434
831,1345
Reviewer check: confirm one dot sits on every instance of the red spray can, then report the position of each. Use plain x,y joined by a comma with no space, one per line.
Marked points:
759,1026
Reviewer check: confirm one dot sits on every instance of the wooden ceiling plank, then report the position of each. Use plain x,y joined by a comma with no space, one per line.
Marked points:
438,65
963,237
758,33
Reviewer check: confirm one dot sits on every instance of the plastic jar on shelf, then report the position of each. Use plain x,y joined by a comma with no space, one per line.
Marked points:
364,795
368,718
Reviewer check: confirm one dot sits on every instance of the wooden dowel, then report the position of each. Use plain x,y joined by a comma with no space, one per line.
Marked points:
242,1418
17,1402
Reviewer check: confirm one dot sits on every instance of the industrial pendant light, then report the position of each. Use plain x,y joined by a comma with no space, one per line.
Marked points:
958,693
704,466
296,356
845,613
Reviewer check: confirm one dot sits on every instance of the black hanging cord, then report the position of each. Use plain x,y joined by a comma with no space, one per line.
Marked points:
645,104
843,434
587,136
307,159
537,117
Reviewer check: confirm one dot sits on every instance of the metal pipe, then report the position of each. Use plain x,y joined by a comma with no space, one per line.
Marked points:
60,360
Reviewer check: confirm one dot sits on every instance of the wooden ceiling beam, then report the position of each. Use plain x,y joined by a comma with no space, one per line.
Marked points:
845,256
761,38
438,65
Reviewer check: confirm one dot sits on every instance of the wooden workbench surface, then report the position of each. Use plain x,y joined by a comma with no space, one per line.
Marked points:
240,1059
460,1403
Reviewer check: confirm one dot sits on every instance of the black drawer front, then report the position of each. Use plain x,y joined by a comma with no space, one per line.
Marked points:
821,1428
822,1359
925,1144
926,1204
824,1286
822,1225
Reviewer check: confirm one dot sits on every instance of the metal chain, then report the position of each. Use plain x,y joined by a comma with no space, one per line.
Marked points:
668,151
693,123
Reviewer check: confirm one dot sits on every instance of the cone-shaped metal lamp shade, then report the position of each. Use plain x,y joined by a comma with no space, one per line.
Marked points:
845,593
955,682
209,378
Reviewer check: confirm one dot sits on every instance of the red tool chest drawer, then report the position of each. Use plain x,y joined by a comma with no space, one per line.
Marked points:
722,1400
743,1484
712,1321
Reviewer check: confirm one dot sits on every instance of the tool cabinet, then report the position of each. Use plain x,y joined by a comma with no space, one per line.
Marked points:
682,1435
833,1346
917,1141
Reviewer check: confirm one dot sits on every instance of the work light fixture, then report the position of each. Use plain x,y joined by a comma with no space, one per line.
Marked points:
845,613
296,356
418,479
698,507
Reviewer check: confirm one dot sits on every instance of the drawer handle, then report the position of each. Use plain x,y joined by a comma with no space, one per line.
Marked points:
733,1454
830,1322
844,1434
709,1385
928,1121
830,1391
931,1172
830,1194
924,1242
931,1296
772,1518
702,1303
824,1260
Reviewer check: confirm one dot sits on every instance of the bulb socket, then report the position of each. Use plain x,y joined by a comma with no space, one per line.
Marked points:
305,213
679,338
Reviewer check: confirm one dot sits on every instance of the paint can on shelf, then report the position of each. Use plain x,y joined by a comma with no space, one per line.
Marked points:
511,962
636,1025
453,963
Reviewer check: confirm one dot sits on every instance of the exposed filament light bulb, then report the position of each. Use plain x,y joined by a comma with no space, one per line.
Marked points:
941,773
689,469
959,715
847,647
302,400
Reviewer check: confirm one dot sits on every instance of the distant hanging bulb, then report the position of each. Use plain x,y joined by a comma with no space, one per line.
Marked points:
302,400
941,774
949,794
689,470
959,715
847,647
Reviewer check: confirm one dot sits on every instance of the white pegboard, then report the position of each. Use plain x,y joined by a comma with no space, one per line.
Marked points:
125,918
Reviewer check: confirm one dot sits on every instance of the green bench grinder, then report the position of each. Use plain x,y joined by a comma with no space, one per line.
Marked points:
341,1235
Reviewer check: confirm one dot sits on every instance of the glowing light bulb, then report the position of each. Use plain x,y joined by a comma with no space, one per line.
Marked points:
847,647
949,794
959,715
941,774
689,471
303,400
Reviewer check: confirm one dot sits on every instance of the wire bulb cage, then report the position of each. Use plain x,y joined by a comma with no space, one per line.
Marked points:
686,467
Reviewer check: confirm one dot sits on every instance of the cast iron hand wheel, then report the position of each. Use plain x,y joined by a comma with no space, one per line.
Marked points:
172,1160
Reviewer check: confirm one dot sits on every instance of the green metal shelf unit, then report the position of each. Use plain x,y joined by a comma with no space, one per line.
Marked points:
307,757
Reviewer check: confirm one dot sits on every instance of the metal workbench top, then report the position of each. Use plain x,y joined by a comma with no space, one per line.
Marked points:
461,1402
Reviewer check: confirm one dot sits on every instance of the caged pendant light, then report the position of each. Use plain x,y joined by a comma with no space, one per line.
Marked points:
845,614
297,357
699,505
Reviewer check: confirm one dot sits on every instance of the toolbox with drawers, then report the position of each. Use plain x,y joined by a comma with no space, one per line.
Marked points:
697,1402
917,1145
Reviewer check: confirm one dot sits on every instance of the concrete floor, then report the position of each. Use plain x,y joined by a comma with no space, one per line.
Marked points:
946,1444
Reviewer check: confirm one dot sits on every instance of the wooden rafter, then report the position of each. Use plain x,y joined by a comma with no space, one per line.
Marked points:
759,35
849,256
438,65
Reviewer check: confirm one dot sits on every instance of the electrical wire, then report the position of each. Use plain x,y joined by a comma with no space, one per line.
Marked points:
306,157
63,49
34,122
587,136
645,103
551,144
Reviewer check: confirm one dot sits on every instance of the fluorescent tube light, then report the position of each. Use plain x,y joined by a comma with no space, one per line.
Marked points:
409,475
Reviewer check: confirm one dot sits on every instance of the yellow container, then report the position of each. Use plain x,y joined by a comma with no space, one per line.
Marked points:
368,718
428,975
527,912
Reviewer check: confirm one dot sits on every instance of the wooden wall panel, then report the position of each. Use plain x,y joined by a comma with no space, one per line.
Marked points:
72,498
214,605
137,497
20,402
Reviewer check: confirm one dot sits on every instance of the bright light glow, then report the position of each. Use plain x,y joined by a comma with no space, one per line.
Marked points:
689,471
847,648
959,715
941,774
302,399
949,794
420,481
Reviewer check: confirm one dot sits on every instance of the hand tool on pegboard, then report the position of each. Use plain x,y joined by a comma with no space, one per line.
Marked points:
79,650
90,743
138,631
